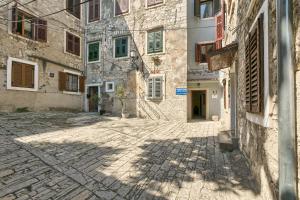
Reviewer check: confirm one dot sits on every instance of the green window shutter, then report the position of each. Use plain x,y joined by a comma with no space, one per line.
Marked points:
121,47
93,52
158,87
159,41
151,42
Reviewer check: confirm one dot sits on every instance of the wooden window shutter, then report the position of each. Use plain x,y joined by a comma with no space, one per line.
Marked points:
61,81
254,68
81,84
97,10
69,45
247,77
197,8
150,88
29,76
197,53
121,6
41,30
77,8
14,17
77,45
16,80
219,27
91,10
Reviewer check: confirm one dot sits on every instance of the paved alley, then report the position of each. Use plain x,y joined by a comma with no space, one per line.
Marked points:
82,156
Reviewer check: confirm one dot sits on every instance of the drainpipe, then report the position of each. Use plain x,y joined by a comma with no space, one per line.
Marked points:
286,102
84,54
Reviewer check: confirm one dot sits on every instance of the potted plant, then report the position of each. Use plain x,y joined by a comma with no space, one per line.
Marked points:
121,95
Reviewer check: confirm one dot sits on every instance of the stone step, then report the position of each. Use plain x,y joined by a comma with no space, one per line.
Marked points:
225,141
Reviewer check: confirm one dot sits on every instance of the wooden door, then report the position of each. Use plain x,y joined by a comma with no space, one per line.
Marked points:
93,100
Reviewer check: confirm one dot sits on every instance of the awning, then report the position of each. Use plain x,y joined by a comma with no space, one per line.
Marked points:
222,58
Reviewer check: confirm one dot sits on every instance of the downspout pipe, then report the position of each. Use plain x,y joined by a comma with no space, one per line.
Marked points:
286,102
85,55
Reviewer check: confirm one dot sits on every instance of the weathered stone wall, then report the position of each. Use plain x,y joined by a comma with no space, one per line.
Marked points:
11,45
173,67
259,142
297,62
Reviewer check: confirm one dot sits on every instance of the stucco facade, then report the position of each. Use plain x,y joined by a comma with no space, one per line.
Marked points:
49,57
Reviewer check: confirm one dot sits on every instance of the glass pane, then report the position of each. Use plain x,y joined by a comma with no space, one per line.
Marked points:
206,9
158,41
19,24
151,39
203,53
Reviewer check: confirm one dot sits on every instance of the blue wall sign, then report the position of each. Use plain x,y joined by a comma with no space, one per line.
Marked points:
181,91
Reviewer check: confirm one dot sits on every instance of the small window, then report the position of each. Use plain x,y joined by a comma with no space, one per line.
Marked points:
110,87
121,47
202,50
22,75
94,52
205,8
94,10
155,88
28,26
121,7
154,2
73,7
155,41
72,44
71,82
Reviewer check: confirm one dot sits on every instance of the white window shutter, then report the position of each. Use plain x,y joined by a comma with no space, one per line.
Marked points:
150,88
158,87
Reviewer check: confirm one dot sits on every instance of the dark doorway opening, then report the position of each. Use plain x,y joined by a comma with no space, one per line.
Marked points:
199,104
93,98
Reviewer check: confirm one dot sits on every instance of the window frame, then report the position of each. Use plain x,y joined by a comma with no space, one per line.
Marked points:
162,96
34,26
154,5
212,9
122,14
99,55
10,60
163,40
107,83
88,13
75,74
65,44
206,55
80,10
128,47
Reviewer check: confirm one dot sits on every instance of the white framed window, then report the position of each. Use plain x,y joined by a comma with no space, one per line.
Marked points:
155,41
94,11
72,44
22,75
154,3
71,82
110,86
93,52
155,88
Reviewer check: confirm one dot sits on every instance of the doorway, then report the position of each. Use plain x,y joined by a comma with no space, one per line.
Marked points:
198,104
93,98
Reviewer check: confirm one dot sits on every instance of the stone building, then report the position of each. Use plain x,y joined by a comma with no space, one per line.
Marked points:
149,48
253,29
41,59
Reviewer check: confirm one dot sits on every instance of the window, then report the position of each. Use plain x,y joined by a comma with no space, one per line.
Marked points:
154,2
204,8
70,82
109,86
72,44
201,52
94,52
121,7
254,68
28,26
155,41
155,88
94,10
22,75
121,47
73,7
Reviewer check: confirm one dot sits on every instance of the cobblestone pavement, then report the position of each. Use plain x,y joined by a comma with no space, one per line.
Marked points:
81,156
